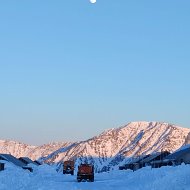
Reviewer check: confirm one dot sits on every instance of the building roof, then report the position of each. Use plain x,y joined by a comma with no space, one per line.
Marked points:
162,161
154,156
138,159
151,157
179,153
12,159
28,160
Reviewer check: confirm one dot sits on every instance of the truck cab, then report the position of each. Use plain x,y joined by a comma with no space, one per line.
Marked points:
85,172
68,167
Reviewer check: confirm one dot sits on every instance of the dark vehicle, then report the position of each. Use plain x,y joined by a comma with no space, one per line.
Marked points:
85,172
68,167
126,167
2,166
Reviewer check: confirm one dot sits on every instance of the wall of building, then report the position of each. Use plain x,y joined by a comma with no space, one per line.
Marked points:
186,158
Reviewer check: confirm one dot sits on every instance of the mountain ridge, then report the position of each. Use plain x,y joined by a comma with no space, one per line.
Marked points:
109,149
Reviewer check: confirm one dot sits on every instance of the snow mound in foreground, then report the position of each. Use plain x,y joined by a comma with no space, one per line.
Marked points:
45,177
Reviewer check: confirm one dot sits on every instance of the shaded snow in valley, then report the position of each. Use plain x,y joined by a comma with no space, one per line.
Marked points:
45,177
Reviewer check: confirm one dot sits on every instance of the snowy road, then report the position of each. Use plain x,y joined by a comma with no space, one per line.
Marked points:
45,177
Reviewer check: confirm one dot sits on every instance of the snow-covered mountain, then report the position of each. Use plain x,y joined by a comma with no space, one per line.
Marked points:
111,148
19,149
116,146
15,148
45,150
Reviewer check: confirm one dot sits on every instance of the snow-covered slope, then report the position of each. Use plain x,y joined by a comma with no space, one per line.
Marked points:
19,149
46,150
111,148
15,148
116,146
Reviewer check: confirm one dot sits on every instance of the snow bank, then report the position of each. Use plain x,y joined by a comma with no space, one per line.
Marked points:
45,177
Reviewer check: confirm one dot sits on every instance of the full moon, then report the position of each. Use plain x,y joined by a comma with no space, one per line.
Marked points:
93,1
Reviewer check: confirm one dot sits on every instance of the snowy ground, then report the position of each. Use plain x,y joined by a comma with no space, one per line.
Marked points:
45,177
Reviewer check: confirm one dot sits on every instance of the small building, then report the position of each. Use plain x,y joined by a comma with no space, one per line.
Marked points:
126,167
182,155
160,163
151,158
14,160
27,161
37,162
134,163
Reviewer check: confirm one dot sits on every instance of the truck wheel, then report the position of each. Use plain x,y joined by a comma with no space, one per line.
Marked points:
92,179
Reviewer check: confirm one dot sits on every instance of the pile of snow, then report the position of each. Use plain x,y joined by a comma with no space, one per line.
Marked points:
45,177
93,1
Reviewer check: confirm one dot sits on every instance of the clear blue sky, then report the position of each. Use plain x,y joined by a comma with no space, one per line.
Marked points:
70,69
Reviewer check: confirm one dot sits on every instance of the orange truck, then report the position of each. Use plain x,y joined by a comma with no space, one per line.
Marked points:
68,167
85,172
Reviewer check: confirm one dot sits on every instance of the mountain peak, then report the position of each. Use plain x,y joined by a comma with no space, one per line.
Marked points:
119,144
